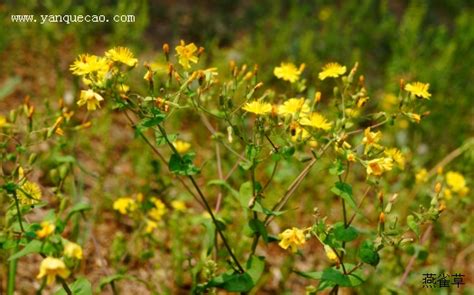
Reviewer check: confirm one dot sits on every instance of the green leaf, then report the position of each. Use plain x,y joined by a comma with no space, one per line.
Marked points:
245,194
413,225
223,183
80,287
337,168
9,86
334,276
240,282
183,165
345,234
368,253
79,207
314,275
344,190
32,247
112,278
259,227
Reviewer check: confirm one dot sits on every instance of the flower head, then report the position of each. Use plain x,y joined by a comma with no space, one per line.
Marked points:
186,54
288,72
47,228
456,182
3,121
378,166
125,205
257,107
298,133
87,64
330,254
150,226
178,205
396,156
91,98
158,210
292,238
29,193
181,146
123,55
316,120
421,176
72,250
293,106
371,139
332,70
418,89
51,267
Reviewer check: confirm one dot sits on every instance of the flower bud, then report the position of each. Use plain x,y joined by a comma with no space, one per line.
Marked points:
437,188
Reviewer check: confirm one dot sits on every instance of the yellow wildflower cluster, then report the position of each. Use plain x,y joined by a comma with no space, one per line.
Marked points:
456,183
181,146
125,205
158,210
292,238
47,228
332,70
186,54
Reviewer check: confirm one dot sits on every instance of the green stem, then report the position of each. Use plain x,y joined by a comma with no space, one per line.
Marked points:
204,200
65,286
17,204
12,273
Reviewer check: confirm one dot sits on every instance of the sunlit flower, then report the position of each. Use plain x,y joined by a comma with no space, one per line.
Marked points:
90,98
123,55
257,107
291,238
418,89
47,228
316,120
72,250
457,183
125,205
293,106
3,121
332,70
178,205
421,176
330,254
378,166
288,72
87,64
181,146
351,157
186,54
371,139
158,210
29,193
396,156
150,226
51,267
299,134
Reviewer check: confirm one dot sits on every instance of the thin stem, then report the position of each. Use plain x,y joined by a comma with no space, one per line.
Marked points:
12,273
221,177
17,205
204,200
360,204
65,286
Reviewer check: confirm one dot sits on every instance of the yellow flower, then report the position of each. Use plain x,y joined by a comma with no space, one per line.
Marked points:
457,183
413,117
419,89
291,238
158,211
52,267
396,156
351,157
178,205
421,176
90,98
332,70
72,250
257,107
47,228
186,54
330,254
29,193
3,121
181,146
288,72
316,120
150,226
299,134
125,205
378,166
370,139
87,64
123,55
293,106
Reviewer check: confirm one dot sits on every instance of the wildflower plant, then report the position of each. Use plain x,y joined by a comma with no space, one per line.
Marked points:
257,133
